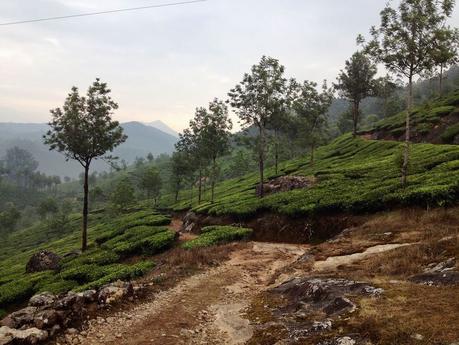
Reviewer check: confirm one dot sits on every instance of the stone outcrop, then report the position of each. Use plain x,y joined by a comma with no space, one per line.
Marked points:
436,274
44,260
48,314
285,184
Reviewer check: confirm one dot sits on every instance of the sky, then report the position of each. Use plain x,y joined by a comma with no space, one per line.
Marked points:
162,63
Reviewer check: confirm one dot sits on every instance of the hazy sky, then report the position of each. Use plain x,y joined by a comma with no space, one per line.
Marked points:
162,63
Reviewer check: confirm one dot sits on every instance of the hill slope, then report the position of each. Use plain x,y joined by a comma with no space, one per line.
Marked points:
141,141
351,175
435,122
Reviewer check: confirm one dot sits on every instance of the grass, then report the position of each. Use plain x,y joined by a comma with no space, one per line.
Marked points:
215,235
353,175
140,232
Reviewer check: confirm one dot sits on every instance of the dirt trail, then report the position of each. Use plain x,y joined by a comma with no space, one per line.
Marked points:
204,309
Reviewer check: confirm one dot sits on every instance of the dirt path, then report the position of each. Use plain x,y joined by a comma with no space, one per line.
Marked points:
204,309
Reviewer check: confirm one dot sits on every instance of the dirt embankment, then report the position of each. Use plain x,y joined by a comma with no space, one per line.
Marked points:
271,227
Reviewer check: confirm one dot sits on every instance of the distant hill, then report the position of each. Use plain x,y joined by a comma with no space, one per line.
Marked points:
436,121
162,127
142,140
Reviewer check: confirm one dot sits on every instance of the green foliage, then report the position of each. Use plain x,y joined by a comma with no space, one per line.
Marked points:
9,218
214,235
450,133
123,195
93,268
352,175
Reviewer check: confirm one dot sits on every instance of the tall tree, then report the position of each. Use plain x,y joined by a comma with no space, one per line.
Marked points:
404,42
181,170
20,165
214,132
310,107
356,82
150,181
257,98
446,43
83,130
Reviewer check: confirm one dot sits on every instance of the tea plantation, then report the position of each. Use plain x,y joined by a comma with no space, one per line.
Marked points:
352,175
112,240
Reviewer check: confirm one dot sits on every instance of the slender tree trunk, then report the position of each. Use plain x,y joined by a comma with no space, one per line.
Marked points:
312,153
355,118
200,186
406,151
84,234
441,79
261,162
177,190
214,173
276,151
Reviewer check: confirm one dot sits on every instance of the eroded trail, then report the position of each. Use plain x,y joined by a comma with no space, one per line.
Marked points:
204,309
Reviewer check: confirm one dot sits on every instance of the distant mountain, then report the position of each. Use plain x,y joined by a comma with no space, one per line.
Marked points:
141,140
162,127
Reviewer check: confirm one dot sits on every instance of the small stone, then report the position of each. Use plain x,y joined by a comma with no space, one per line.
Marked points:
417,336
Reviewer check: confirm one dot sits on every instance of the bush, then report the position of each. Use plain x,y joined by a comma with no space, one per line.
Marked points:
119,272
16,291
450,133
214,235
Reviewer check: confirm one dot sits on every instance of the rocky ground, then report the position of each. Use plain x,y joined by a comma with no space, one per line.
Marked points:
392,280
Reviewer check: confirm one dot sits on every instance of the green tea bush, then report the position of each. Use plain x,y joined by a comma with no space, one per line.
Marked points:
16,291
215,235
450,133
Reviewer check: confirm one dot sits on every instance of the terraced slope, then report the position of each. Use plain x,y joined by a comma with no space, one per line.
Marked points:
434,122
352,175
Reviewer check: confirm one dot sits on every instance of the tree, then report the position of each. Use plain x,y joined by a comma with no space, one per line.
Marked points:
356,83
19,166
446,43
83,130
123,195
9,218
256,99
385,89
213,129
181,170
150,181
405,43
150,157
310,107
47,207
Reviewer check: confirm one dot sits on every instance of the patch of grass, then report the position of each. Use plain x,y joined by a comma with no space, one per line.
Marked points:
214,235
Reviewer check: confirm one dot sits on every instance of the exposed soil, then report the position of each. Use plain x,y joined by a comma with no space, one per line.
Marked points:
207,308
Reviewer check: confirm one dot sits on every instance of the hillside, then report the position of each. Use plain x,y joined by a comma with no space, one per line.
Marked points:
349,175
142,140
436,122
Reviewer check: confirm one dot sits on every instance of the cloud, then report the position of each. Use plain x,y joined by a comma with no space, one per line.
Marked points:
163,63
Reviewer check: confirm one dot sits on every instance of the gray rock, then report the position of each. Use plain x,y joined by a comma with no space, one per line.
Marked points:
436,278
44,260
42,299
20,318
32,336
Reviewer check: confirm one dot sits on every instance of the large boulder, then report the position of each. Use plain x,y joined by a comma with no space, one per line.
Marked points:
44,260
114,292
285,184
32,336
190,222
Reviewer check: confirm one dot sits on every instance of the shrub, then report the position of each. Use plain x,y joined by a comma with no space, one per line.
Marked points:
16,291
450,133
214,235
119,272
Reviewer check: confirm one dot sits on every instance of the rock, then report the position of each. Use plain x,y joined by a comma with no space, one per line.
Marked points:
339,341
189,224
419,337
42,299
285,184
73,254
89,296
445,266
340,305
20,318
114,292
319,326
32,336
436,278
43,261
324,294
